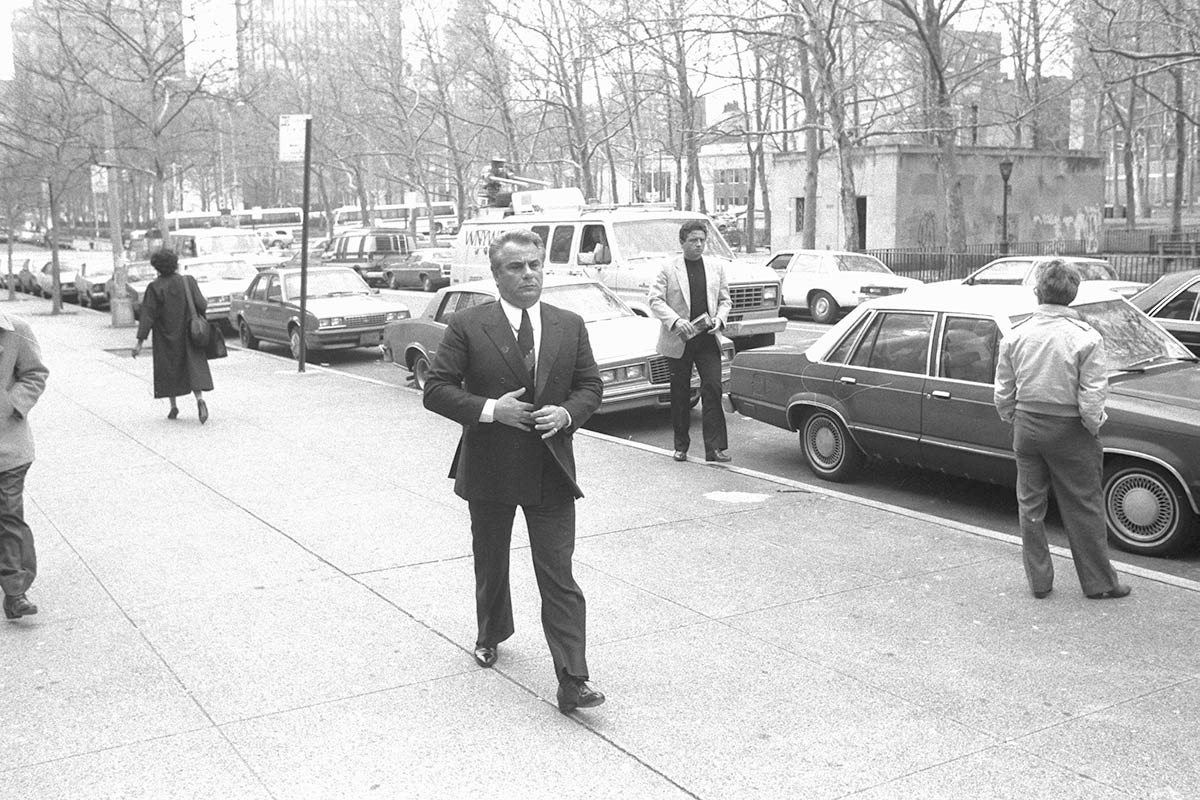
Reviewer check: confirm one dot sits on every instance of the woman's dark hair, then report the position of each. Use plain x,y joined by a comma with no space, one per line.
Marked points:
165,261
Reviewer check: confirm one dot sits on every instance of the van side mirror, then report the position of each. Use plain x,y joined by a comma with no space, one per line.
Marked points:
600,255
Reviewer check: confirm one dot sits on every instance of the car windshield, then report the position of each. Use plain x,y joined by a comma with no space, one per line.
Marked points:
221,270
326,284
591,301
1094,271
650,238
228,243
141,272
855,263
1006,272
1131,339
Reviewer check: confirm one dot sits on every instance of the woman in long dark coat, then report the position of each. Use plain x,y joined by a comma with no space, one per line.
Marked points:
179,366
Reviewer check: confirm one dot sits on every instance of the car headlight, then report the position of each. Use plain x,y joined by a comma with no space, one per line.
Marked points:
625,373
770,293
874,291
727,355
331,322
221,298
394,315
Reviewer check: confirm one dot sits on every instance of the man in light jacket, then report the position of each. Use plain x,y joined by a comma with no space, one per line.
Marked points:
1051,384
25,379
687,289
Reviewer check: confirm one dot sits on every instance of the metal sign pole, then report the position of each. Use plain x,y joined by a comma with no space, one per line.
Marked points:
304,241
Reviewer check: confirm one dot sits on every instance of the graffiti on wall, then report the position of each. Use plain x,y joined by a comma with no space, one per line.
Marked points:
1084,225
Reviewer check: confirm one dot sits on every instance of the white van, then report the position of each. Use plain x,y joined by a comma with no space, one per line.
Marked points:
623,247
241,242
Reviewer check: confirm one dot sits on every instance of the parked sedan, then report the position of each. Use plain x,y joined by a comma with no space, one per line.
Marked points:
426,268
910,379
634,375
828,282
1174,302
1023,271
137,276
90,280
66,280
341,310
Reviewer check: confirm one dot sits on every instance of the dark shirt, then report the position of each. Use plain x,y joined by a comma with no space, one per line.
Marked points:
698,287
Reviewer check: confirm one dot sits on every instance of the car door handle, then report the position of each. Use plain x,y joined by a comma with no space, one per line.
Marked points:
940,394
849,380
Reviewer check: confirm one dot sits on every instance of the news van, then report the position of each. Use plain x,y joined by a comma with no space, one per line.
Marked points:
623,247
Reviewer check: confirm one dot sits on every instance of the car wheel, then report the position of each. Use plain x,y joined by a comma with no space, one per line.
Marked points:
83,300
248,339
824,308
828,448
427,284
1144,509
294,341
277,244
420,372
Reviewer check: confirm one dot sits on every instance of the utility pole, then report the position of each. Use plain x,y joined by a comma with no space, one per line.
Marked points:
119,305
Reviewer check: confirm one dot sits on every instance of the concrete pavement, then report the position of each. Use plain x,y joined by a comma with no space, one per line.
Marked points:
279,604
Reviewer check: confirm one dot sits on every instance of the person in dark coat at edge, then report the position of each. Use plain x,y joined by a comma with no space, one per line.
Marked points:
179,366
520,377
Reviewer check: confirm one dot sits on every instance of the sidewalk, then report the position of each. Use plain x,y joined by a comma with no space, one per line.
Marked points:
279,604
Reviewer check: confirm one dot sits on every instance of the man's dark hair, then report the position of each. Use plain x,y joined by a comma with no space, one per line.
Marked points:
1057,283
165,261
691,226
517,236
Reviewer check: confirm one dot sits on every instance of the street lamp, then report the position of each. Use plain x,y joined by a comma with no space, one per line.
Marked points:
1005,173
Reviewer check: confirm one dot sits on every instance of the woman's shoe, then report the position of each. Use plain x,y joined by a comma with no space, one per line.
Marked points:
202,407
173,413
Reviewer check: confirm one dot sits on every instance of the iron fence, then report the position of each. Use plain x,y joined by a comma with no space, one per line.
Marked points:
937,264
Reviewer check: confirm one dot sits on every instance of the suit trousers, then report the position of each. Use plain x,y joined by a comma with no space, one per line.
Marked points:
1059,453
551,527
18,562
704,352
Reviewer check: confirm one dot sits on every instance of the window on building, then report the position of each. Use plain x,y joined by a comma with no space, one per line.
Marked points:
799,203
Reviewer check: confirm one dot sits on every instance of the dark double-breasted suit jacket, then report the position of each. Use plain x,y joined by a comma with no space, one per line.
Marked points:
479,359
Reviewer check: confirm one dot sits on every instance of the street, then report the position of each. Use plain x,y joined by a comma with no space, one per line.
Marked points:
773,451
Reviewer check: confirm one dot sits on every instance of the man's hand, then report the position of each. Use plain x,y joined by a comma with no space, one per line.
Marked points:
685,328
511,411
137,348
551,420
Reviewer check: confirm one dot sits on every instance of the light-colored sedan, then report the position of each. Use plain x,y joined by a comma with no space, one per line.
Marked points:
829,282
220,280
1023,271
341,311
623,343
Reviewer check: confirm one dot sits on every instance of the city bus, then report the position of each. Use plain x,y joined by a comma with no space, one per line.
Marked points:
400,215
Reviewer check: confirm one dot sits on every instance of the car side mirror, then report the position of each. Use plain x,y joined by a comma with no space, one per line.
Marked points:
601,255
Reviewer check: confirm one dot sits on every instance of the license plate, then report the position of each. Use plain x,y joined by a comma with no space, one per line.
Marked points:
370,338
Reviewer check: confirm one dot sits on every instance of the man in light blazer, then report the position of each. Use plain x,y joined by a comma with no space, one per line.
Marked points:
24,381
685,289
519,376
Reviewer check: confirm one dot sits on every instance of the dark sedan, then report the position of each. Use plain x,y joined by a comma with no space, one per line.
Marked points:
1174,302
909,378
341,311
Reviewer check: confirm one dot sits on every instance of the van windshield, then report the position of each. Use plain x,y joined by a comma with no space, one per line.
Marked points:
652,238
228,243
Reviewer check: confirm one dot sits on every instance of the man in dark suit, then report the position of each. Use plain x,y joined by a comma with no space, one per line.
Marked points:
519,376
688,289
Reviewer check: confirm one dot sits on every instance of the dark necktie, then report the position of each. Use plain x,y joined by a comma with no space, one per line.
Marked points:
525,342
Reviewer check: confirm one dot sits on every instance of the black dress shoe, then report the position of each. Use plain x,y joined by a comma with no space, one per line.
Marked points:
1120,590
1043,594
680,455
18,605
173,413
486,656
718,455
574,693
202,411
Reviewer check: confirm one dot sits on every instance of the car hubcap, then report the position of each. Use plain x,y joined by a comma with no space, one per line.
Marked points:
1141,508
824,444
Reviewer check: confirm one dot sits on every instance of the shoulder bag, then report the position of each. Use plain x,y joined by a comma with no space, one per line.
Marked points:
200,332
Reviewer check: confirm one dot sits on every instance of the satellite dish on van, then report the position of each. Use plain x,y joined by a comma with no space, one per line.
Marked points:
547,199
